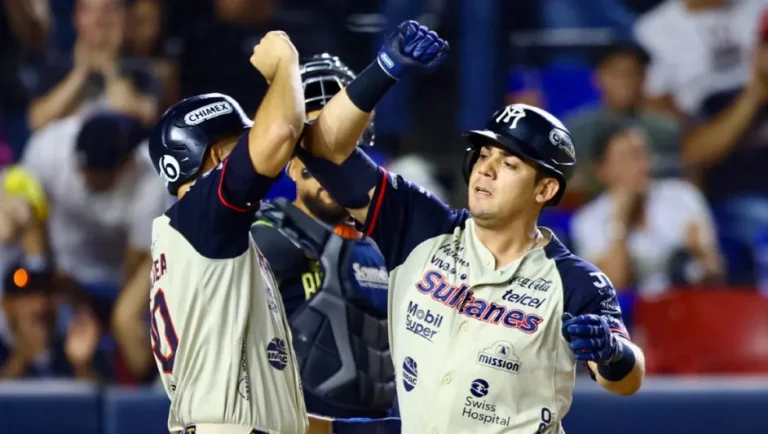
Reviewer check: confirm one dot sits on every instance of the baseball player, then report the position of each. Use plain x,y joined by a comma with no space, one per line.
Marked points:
488,313
219,332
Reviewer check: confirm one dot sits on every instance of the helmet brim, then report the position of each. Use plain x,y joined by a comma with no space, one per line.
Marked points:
480,138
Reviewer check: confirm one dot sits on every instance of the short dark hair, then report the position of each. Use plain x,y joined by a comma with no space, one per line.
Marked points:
623,47
542,173
605,134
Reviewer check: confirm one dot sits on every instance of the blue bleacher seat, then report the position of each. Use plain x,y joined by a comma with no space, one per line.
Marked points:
133,411
567,86
49,406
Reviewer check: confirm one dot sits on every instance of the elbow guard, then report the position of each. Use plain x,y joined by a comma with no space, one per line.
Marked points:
348,183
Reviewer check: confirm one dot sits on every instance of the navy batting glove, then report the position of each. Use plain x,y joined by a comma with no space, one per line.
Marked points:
412,48
591,339
387,425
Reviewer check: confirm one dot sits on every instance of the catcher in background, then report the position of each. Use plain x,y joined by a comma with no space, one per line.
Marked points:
332,279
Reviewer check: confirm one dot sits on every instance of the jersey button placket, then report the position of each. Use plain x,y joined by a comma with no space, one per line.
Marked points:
447,380
464,327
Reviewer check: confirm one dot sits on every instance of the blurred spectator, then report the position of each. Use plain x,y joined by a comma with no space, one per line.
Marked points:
214,40
730,143
23,212
6,153
133,92
697,48
104,195
15,214
92,70
145,40
620,75
29,344
643,233
25,27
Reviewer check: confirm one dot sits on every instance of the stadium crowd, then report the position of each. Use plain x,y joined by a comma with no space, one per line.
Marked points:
668,116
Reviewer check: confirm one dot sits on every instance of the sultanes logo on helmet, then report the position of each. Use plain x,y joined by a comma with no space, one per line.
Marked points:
208,112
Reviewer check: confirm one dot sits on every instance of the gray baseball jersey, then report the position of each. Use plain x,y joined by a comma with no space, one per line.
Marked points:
478,350
219,331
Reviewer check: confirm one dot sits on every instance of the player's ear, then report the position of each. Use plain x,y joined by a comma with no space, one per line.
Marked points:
546,189
290,169
217,154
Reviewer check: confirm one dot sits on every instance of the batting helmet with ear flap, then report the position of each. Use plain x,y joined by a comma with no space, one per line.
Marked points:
531,134
187,130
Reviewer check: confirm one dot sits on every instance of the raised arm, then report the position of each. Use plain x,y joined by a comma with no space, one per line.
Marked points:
280,117
333,137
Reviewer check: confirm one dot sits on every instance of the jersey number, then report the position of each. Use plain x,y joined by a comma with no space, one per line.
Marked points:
165,354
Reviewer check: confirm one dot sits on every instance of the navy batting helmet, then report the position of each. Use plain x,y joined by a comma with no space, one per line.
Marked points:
529,133
323,76
186,131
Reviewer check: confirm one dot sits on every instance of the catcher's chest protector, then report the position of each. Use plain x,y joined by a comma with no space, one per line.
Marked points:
339,337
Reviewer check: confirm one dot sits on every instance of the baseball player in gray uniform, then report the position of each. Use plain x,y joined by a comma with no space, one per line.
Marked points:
488,313
219,331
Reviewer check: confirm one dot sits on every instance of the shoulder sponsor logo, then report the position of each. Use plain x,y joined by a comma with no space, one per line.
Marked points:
423,323
277,354
482,410
410,374
208,112
372,277
435,285
501,355
610,306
